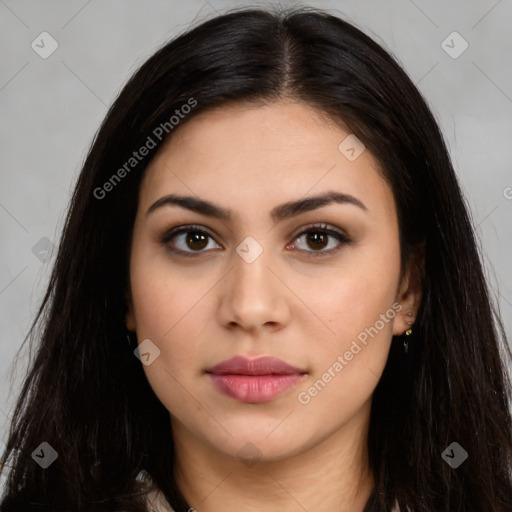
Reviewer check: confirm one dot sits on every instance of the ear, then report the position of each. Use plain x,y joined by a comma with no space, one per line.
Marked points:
410,291
130,314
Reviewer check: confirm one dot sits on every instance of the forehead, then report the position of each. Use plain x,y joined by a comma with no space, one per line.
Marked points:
285,128
265,153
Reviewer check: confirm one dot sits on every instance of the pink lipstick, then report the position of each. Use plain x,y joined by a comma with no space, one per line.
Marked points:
254,380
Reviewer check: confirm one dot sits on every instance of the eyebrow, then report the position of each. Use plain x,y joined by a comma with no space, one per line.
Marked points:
277,214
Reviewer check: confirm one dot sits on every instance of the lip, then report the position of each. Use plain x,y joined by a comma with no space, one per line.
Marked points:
254,380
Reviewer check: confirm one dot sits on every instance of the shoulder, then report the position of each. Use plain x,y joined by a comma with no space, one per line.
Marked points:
157,503
155,500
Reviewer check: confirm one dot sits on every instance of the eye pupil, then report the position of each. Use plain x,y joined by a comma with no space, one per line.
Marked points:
317,238
195,236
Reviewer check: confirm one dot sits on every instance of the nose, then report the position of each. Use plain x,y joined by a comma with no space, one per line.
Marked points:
253,295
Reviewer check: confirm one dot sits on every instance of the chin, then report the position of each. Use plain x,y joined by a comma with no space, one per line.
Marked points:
261,446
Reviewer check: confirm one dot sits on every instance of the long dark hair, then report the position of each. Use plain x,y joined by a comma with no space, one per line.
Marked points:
86,394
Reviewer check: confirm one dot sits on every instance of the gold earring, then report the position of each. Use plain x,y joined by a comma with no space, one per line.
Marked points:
406,341
409,331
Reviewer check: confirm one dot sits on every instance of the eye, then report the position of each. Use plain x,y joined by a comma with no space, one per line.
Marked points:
190,237
317,238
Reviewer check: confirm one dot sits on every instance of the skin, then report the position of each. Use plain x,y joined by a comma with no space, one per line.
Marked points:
303,309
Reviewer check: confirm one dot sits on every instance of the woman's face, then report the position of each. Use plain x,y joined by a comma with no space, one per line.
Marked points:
315,286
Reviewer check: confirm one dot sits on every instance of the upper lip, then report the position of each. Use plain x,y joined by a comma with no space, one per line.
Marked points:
265,365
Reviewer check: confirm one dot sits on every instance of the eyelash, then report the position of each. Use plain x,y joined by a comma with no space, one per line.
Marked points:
317,228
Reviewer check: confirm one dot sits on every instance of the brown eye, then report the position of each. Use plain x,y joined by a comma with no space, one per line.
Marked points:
196,240
187,240
316,241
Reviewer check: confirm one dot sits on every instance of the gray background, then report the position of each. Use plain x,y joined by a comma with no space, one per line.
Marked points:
51,108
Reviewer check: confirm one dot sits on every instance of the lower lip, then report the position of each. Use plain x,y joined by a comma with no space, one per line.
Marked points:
255,388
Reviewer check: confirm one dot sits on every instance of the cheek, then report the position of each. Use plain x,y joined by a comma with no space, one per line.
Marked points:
357,303
168,308
168,301
352,297
347,365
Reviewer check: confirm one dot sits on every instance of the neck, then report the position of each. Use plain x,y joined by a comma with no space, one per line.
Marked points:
331,475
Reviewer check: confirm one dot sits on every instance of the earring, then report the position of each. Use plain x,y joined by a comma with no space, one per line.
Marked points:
407,333
406,341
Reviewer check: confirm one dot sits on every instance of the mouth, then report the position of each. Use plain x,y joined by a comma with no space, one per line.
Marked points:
254,380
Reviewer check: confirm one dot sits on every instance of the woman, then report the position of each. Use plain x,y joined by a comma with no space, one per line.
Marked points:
267,295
